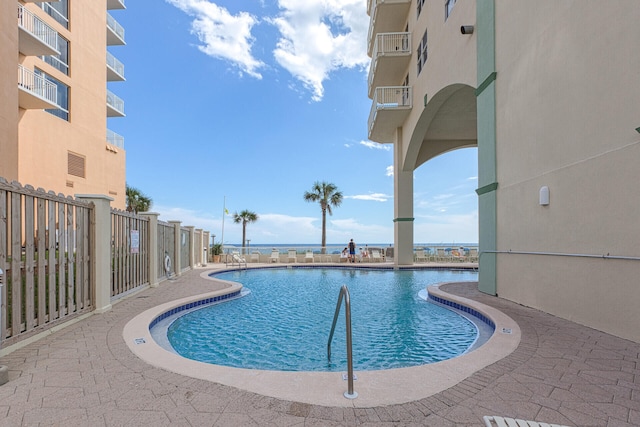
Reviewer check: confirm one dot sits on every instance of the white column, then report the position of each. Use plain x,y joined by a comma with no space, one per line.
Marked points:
177,262
101,259
402,207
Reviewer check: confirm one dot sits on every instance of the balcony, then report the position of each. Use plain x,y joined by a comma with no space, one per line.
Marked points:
391,56
115,105
115,139
115,4
390,108
34,91
35,38
115,69
387,16
115,32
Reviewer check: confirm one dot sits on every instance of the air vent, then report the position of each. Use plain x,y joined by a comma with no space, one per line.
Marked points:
75,164
70,184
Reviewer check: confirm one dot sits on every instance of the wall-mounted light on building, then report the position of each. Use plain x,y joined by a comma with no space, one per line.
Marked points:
638,129
466,29
544,196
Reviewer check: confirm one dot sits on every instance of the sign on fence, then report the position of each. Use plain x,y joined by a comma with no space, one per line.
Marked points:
135,241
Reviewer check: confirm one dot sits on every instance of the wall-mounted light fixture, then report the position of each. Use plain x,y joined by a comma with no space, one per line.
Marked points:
544,196
638,129
466,29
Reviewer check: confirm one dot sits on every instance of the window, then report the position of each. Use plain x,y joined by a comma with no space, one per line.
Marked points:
58,10
63,96
448,8
75,164
420,6
422,52
60,62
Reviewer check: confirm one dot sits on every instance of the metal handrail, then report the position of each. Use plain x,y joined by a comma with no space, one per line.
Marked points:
344,293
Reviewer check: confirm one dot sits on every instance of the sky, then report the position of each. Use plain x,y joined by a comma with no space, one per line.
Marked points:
245,104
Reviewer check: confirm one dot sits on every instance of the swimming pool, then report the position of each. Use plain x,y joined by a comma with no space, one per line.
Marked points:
284,323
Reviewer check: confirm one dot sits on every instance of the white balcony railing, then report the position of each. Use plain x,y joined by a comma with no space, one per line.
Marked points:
43,93
115,105
43,40
387,45
115,139
115,32
395,103
115,71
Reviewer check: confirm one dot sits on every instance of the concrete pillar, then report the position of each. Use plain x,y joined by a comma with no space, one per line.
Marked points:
101,250
402,207
205,245
192,243
177,262
153,247
197,253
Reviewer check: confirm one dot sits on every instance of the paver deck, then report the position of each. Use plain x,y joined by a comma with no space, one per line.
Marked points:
85,375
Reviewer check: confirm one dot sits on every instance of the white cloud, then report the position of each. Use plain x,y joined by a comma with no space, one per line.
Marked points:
461,228
223,35
320,36
375,145
376,197
389,170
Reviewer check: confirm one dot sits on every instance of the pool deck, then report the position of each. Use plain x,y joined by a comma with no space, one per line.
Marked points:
86,375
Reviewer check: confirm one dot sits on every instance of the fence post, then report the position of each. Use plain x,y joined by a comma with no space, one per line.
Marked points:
192,235
177,262
153,247
101,249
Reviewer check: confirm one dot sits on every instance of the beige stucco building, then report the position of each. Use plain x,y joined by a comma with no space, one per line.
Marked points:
55,102
549,92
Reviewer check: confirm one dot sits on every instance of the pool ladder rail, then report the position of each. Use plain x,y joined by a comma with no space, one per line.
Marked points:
344,294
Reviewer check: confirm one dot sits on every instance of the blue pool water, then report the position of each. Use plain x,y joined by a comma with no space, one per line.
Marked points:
284,323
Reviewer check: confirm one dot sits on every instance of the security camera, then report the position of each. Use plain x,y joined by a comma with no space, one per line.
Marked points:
466,29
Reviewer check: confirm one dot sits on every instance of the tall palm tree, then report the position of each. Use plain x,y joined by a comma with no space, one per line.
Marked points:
328,195
137,201
245,217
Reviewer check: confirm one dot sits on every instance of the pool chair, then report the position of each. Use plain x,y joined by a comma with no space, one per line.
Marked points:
292,255
236,258
308,256
473,255
275,255
375,256
255,256
514,422
421,256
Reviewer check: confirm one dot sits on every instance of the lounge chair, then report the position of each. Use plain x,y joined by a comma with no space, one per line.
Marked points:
514,422
275,255
255,256
420,255
236,258
473,255
292,256
309,256
375,256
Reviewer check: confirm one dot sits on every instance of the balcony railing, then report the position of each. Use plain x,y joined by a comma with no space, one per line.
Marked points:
115,105
391,54
115,139
35,92
115,32
386,16
115,69
36,37
391,106
115,4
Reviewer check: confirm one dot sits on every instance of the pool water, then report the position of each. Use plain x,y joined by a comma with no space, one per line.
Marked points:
284,323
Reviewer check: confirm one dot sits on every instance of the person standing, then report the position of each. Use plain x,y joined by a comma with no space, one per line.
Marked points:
352,250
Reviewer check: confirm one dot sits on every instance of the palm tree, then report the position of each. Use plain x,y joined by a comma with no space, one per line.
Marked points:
328,195
137,201
245,217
